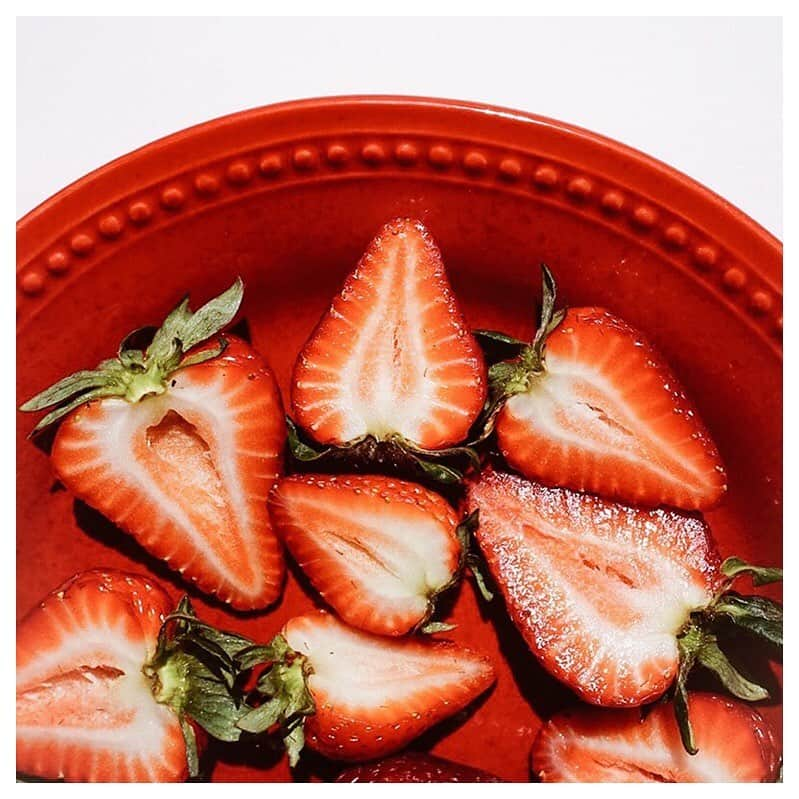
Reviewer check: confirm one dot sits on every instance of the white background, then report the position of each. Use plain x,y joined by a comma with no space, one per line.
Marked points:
702,94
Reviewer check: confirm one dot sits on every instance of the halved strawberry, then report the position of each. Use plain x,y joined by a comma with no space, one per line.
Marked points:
109,692
590,405
179,446
354,696
415,767
590,745
616,601
393,358
378,550
599,591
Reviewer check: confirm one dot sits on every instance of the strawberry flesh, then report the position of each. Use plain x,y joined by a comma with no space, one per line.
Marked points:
377,549
393,356
589,745
609,417
85,710
374,695
598,590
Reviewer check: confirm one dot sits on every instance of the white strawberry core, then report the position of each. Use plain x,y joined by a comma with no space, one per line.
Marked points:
397,391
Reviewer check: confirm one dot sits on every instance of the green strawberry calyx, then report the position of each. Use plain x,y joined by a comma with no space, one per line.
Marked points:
515,365
281,700
135,374
193,671
702,639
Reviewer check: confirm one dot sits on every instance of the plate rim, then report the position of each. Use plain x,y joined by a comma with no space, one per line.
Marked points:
644,198
384,100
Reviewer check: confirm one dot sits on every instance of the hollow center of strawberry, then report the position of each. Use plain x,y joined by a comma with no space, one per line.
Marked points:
175,451
174,440
100,697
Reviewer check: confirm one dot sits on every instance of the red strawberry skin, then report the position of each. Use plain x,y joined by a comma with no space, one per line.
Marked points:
85,710
377,549
393,355
598,590
415,767
188,472
609,417
373,694
589,745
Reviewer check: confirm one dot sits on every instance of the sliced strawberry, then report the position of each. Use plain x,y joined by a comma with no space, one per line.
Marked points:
182,455
377,549
415,767
393,356
589,745
592,406
361,696
85,710
115,684
598,590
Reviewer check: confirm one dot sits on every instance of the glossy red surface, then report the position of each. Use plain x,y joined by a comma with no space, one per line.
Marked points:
288,196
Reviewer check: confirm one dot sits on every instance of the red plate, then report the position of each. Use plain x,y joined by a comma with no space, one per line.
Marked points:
288,196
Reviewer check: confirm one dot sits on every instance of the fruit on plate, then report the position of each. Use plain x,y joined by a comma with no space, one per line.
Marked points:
378,550
354,696
179,445
590,405
415,767
616,601
590,745
113,688
393,360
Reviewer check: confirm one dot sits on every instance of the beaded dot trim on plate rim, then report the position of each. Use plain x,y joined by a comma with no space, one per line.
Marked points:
637,217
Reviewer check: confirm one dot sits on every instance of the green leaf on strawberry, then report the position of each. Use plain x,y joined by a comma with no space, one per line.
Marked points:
134,375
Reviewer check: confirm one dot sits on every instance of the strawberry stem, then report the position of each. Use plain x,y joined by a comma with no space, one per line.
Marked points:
433,627
550,319
687,645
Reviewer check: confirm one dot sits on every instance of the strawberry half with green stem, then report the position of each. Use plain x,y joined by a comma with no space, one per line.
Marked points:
179,446
617,602
415,767
354,696
378,550
116,685
392,373
591,745
590,405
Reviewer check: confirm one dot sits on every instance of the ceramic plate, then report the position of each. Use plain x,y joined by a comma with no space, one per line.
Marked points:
288,196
